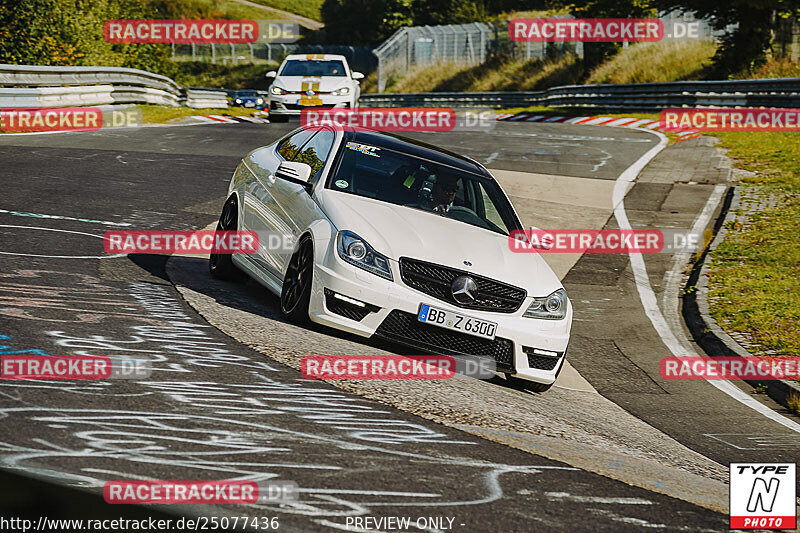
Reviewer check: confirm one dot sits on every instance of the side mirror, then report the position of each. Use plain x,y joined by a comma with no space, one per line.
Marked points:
357,76
271,74
298,173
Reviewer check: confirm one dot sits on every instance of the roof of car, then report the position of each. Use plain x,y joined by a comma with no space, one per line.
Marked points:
415,148
309,57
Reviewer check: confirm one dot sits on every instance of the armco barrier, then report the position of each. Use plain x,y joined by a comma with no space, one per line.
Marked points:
632,97
44,86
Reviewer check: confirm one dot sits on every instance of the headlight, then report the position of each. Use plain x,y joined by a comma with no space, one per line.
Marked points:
276,90
356,251
260,101
341,92
238,100
553,307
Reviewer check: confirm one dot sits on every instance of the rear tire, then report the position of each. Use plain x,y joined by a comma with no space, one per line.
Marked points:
221,265
296,290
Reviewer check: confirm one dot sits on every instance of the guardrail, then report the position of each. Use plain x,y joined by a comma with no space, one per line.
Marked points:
45,86
631,97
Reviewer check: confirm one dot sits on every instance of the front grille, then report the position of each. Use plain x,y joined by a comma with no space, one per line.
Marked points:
436,280
405,328
542,362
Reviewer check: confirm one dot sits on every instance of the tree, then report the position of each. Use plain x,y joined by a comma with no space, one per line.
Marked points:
435,12
746,46
364,22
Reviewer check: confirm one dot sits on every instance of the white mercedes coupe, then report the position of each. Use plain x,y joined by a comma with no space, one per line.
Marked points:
399,239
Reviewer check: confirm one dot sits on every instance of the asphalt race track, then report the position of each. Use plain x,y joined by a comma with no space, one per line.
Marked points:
620,449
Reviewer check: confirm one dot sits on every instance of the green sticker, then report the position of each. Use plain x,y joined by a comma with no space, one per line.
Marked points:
341,184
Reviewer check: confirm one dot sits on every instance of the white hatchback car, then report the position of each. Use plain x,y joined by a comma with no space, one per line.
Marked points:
396,238
308,80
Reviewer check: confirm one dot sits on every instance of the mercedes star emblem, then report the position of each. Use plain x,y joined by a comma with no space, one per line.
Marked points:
464,289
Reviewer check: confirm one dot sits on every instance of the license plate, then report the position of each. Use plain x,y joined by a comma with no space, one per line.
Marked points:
456,322
249,104
309,101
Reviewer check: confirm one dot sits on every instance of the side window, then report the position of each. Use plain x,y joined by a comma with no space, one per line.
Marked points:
491,211
289,147
315,152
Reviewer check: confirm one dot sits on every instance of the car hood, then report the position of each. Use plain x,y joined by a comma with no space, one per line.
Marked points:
398,231
326,83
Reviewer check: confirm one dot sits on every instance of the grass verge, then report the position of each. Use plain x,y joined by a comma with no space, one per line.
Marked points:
157,114
305,8
753,279
656,62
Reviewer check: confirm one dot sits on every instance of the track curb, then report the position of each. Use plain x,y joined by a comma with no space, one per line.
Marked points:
697,314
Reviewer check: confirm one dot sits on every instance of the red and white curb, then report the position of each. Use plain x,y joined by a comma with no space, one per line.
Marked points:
226,119
621,122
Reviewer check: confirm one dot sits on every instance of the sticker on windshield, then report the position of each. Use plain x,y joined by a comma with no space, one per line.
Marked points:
364,149
341,184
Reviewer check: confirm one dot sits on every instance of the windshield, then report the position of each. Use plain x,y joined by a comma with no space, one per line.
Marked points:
240,94
389,176
297,67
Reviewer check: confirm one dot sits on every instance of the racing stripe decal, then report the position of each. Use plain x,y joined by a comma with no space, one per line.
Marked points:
309,85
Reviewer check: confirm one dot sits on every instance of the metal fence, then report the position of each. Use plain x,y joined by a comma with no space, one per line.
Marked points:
783,92
359,57
48,86
470,44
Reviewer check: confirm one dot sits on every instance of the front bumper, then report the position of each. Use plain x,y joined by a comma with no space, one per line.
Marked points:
392,309
250,105
288,104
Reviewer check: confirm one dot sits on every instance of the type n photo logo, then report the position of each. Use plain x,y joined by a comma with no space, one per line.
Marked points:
763,496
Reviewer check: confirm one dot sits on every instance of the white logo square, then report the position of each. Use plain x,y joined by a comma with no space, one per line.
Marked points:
763,496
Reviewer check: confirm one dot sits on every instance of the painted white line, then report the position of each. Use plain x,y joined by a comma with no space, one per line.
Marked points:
596,499
61,217
60,256
648,297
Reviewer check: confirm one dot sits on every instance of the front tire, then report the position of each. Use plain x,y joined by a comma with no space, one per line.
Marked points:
221,265
296,290
278,118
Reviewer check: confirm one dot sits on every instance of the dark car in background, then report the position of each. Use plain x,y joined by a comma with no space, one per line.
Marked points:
248,98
